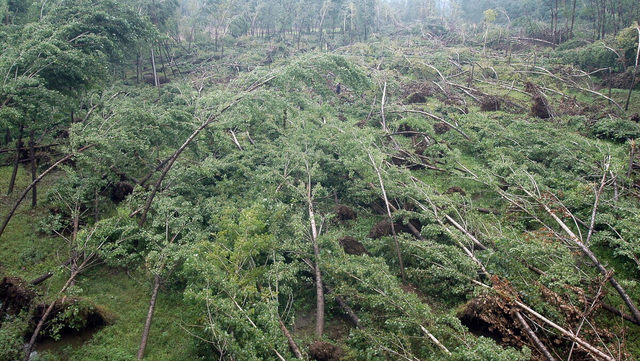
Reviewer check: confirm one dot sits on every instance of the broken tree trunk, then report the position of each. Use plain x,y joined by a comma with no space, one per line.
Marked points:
346,308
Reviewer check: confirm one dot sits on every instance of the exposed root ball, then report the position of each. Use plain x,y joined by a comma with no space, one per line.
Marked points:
454,189
344,213
490,104
120,191
353,246
383,228
15,296
441,128
489,315
324,351
539,108
73,314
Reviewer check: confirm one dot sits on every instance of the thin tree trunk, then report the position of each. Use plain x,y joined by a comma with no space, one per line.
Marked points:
33,184
16,161
147,324
435,340
393,230
32,155
153,66
292,344
384,95
316,264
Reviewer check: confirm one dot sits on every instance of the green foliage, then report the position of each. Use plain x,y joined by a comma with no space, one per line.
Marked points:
485,349
12,335
616,129
590,57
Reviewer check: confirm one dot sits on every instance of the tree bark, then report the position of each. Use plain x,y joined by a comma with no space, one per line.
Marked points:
292,344
24,192
147,324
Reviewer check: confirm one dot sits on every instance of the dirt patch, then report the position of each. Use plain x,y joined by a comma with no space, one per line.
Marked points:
352,246
416,98
418,92
324,351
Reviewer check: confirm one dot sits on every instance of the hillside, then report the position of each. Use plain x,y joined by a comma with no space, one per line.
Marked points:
411,192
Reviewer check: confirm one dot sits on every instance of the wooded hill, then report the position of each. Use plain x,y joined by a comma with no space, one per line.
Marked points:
318,181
